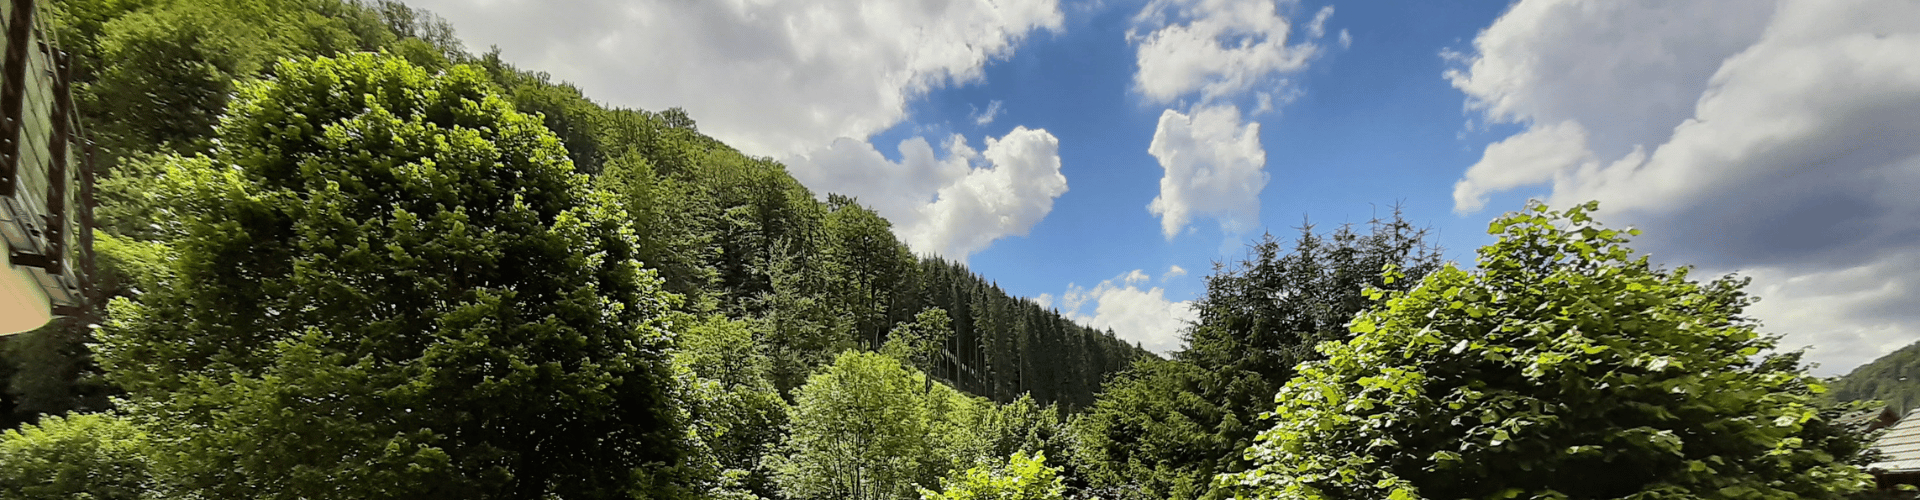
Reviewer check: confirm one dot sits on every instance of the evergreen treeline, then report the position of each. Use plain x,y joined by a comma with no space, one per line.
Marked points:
1011,346
731,234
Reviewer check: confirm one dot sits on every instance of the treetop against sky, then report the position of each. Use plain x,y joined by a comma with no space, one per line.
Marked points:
1100,155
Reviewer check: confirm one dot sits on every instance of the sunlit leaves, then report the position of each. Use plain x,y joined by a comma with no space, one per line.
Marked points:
864,429
1024,476
389,282
1565,367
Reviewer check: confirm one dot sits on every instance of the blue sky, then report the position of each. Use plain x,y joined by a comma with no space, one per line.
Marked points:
1780,140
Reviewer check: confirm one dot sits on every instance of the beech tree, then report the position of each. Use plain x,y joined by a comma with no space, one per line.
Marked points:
98,456
918,343
861,429
393,285
1564,367
1022,477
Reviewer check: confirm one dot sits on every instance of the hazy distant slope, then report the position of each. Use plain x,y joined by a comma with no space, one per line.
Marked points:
1894,378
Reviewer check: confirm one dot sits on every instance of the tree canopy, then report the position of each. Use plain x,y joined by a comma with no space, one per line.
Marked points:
393,285
1022,477
861,430
352,260
1165,428
1564,367
1893,379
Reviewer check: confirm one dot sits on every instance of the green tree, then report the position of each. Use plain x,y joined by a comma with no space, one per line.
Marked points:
1151,434
865,246
732,406
166,69
858,431
393,285
1563,368
1165,430
920,343
91,456
1022,477
1021,425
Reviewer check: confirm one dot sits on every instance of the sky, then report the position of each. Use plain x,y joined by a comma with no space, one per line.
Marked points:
1102,157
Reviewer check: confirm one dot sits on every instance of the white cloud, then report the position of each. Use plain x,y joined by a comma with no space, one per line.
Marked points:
1226,52
1317,28
1214,166
1628,70
1174,271
1134,314
1850,315
1539,154
1219,48
772,78
986,116
952,206
1773,138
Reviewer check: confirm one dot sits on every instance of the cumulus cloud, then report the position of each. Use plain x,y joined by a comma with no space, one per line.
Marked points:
1134,314
1226,53
954,205
1219,48
1214,166
1174,271
986,116
772,78
1536,155
1775,139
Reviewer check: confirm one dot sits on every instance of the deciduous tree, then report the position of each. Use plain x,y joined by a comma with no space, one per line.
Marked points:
393,285
1564,367
1024,476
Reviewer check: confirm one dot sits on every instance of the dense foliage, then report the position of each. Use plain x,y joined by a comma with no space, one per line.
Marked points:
351,260
731,234
393,281
1022,477
1563,368
1164,429
867,427
860,431
98,456
1893,379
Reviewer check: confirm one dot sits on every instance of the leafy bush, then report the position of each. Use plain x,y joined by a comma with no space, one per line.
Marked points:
391,284
1563,368
1023,477
89,456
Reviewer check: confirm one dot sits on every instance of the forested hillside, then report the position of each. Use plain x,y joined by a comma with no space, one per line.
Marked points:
731,234
1893,379
345,259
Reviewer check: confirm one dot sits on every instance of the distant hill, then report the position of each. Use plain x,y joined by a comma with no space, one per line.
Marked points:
1894,378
